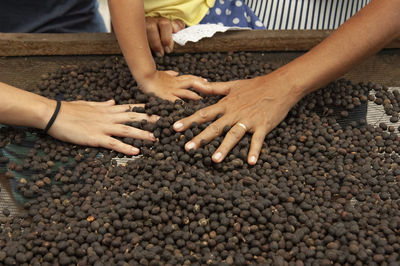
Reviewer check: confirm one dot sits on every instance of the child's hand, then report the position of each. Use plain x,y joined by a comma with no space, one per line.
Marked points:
168,85
159,33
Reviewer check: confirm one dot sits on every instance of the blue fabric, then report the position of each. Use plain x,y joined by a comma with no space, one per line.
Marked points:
232,13
64,16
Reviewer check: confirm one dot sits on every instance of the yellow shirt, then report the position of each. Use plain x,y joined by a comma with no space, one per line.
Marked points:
189,11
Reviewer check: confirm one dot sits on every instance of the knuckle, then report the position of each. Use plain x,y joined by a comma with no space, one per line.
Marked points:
203,114
215,129
150,19
112,144
125,130
164,22
151,27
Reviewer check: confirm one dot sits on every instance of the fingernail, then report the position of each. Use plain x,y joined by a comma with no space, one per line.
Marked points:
159,54
175,26
252,159
178,125
217,156
205,80
135,150
167,49
190,145
152,136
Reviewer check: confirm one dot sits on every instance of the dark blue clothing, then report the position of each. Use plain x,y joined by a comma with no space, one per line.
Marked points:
63,16
232,13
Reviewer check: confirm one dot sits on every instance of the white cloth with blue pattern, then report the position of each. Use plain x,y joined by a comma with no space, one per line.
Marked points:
232,13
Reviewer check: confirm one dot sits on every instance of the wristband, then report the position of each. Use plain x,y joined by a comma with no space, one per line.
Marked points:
53,118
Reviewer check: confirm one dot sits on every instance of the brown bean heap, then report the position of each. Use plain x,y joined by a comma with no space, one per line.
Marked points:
324,190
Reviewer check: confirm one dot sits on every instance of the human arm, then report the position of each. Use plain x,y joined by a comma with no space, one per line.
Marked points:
79,122
364,34
129,25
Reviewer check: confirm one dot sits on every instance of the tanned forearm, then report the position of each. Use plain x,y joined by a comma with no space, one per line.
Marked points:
361,36
128,20
22,108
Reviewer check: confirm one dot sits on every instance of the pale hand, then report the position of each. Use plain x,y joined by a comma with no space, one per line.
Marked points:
94,124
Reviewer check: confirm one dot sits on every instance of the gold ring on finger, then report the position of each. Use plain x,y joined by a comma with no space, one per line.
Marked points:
242,125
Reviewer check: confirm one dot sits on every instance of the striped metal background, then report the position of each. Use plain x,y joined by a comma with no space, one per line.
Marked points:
304,14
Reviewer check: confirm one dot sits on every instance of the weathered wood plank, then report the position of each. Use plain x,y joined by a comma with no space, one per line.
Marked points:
25,72
25,44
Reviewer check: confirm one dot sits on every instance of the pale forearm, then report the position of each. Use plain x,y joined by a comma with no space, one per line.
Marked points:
22,108
361,36
128,21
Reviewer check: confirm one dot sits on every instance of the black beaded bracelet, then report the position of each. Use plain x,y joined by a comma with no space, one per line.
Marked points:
53,118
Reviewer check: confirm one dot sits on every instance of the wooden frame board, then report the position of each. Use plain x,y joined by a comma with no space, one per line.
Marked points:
25,71
27,44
